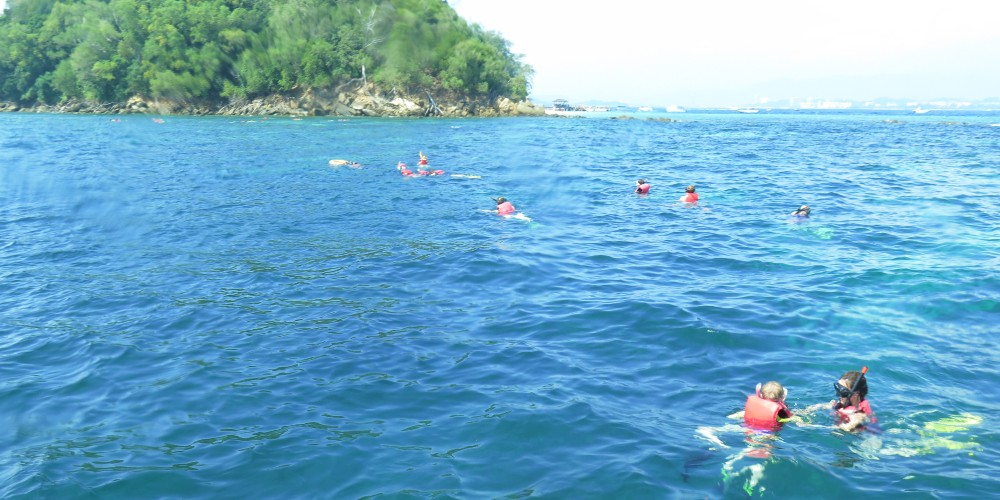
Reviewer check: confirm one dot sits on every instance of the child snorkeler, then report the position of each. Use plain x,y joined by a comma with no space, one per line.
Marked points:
766,408
851,406
764,413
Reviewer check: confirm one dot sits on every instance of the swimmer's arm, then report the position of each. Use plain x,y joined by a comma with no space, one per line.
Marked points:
854,420
736,416
818,406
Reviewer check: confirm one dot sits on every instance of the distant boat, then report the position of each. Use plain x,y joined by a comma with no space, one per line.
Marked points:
920,111
673,108
747,110
645,108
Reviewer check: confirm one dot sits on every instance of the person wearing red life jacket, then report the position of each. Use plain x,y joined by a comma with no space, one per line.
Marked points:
641,186
851,407
504,207
689,195
403,170
423,159
766,409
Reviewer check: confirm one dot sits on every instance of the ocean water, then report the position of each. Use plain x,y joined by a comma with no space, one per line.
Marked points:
203,308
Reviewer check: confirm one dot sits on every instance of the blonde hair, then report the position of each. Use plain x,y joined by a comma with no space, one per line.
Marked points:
773,391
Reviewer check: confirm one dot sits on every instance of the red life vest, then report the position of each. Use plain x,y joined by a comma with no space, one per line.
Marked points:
863,407
642,189
690,198
406,172
505,208
763,413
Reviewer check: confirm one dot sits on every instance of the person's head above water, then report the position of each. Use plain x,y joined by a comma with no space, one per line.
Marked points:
500,200
802,211
773,391
640,182
689,189
849,380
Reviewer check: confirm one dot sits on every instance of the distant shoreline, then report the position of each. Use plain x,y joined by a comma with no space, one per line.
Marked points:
365,101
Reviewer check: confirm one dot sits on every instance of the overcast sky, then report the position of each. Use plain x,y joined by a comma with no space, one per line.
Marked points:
734,52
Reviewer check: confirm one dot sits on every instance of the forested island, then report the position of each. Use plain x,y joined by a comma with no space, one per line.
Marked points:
300,57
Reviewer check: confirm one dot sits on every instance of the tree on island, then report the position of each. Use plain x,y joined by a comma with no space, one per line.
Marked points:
52,51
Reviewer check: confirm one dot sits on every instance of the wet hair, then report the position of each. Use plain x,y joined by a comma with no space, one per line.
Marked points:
641,181
773,391
690,189
500,200
862,386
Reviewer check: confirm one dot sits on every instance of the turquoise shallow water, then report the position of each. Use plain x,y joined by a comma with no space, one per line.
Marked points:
202,308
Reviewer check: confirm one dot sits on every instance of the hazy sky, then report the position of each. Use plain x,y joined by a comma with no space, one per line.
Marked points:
733,52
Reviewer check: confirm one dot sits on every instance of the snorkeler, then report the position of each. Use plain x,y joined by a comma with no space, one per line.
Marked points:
689,195
766,409
802,212
852,406
504,207
403,170
641,186
344,163
423,159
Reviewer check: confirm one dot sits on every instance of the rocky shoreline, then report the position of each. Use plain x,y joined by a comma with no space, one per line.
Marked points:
366,100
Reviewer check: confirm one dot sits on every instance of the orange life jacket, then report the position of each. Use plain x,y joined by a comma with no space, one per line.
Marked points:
763,413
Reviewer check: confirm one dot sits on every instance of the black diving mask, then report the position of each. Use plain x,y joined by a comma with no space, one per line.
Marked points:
842,391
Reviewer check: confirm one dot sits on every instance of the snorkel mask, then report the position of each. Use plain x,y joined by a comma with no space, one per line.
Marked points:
846,393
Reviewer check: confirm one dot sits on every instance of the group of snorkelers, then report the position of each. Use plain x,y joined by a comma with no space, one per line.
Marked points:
423,168
766,409
504,207
690,196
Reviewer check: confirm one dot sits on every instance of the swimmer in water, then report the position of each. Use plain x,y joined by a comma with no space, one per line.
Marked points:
403,170
504,207
689,195
767,409
852,409
802,211
423,159
344,163
641,186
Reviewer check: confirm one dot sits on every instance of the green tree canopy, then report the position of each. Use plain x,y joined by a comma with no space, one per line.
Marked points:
208,50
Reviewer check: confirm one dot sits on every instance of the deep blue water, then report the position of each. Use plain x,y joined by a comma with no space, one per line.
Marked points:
203,308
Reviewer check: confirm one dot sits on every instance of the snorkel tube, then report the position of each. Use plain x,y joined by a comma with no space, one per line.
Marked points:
854,386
